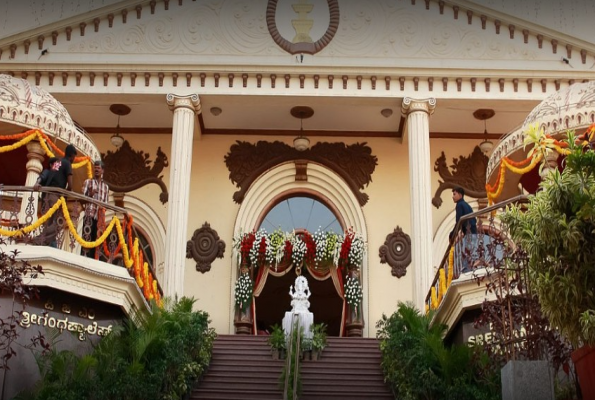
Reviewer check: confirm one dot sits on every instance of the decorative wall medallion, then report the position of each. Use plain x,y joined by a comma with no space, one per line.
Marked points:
204,247
396,252
467,172
354,163
127,170
302,43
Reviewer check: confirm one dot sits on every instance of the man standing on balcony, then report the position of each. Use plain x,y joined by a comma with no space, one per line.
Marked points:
465,251
98,190
462,208
60,176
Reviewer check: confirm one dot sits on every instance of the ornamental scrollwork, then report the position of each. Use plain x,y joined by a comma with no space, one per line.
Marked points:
396,252
467,172
127,170
204,247
354,163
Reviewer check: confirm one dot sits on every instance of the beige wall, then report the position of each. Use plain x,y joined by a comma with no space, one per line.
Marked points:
211,201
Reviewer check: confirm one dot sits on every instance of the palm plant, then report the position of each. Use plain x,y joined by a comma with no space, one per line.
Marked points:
156,355
418,365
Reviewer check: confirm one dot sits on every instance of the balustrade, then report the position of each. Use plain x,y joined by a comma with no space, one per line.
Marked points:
468,254
56,218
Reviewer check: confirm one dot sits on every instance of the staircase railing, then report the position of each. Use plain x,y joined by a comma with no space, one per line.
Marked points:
293,359
468,252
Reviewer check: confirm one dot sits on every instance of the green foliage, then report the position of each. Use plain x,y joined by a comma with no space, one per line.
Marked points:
292,365
277,338
154,356
318,336
557,230
418,365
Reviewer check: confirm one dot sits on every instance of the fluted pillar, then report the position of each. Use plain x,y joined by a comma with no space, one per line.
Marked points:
418,133
34,166
185,109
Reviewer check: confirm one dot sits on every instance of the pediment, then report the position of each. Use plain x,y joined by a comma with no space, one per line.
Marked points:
409,34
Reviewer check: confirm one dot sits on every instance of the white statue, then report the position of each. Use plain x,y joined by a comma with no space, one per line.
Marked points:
299,298
300,307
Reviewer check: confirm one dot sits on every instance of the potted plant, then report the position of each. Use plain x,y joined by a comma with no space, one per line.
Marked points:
277,342
556,231
306,348
318,339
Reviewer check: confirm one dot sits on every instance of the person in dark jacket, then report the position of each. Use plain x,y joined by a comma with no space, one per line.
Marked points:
462,208
466,249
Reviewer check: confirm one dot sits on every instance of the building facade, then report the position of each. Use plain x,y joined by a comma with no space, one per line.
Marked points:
394,98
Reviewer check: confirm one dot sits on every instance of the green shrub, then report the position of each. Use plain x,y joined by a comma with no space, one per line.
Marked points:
277,338
318,336
418,365
154,356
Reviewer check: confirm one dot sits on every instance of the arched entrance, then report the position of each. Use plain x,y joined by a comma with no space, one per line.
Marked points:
272,189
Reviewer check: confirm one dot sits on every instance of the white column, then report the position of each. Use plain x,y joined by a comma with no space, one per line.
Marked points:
418,133
34,167
185,109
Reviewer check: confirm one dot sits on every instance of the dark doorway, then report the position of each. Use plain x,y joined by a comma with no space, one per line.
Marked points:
274,301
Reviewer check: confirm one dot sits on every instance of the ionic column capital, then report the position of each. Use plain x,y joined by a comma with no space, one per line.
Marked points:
191,102
411,105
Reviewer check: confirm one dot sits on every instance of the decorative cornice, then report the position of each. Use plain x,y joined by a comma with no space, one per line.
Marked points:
510,83
354,163
32,107
463,294
79,275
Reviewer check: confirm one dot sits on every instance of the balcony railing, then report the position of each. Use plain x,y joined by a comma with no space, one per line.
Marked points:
56,217
467,254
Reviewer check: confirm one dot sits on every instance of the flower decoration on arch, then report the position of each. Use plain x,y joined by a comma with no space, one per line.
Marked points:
279,250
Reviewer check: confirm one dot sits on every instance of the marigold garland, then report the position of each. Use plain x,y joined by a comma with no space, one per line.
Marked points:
451,259
542,142
434,298
442,285
142,275
26,137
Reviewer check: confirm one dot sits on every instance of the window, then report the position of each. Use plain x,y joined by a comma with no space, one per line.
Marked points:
300,212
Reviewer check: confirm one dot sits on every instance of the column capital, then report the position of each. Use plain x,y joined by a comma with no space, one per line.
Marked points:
411,105
35,150
191,101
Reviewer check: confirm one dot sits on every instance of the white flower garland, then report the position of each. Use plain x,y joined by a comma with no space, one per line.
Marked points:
353,293
243,291
328,248
357,250
298,250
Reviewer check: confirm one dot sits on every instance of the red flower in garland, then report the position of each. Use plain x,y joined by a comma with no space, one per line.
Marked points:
246,245
345,248
288,250
310,249
262,248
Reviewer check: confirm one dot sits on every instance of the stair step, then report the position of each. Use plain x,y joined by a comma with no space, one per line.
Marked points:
242,367
352,395
232,394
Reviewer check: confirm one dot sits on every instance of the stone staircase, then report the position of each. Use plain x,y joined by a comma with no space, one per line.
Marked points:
349,368
242,368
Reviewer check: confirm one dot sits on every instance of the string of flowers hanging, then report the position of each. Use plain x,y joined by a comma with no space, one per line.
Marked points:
259,249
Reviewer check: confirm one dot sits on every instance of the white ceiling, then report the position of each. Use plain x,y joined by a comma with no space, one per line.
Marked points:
342,115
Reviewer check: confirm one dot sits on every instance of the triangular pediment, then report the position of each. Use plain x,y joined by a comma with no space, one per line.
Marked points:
407,34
